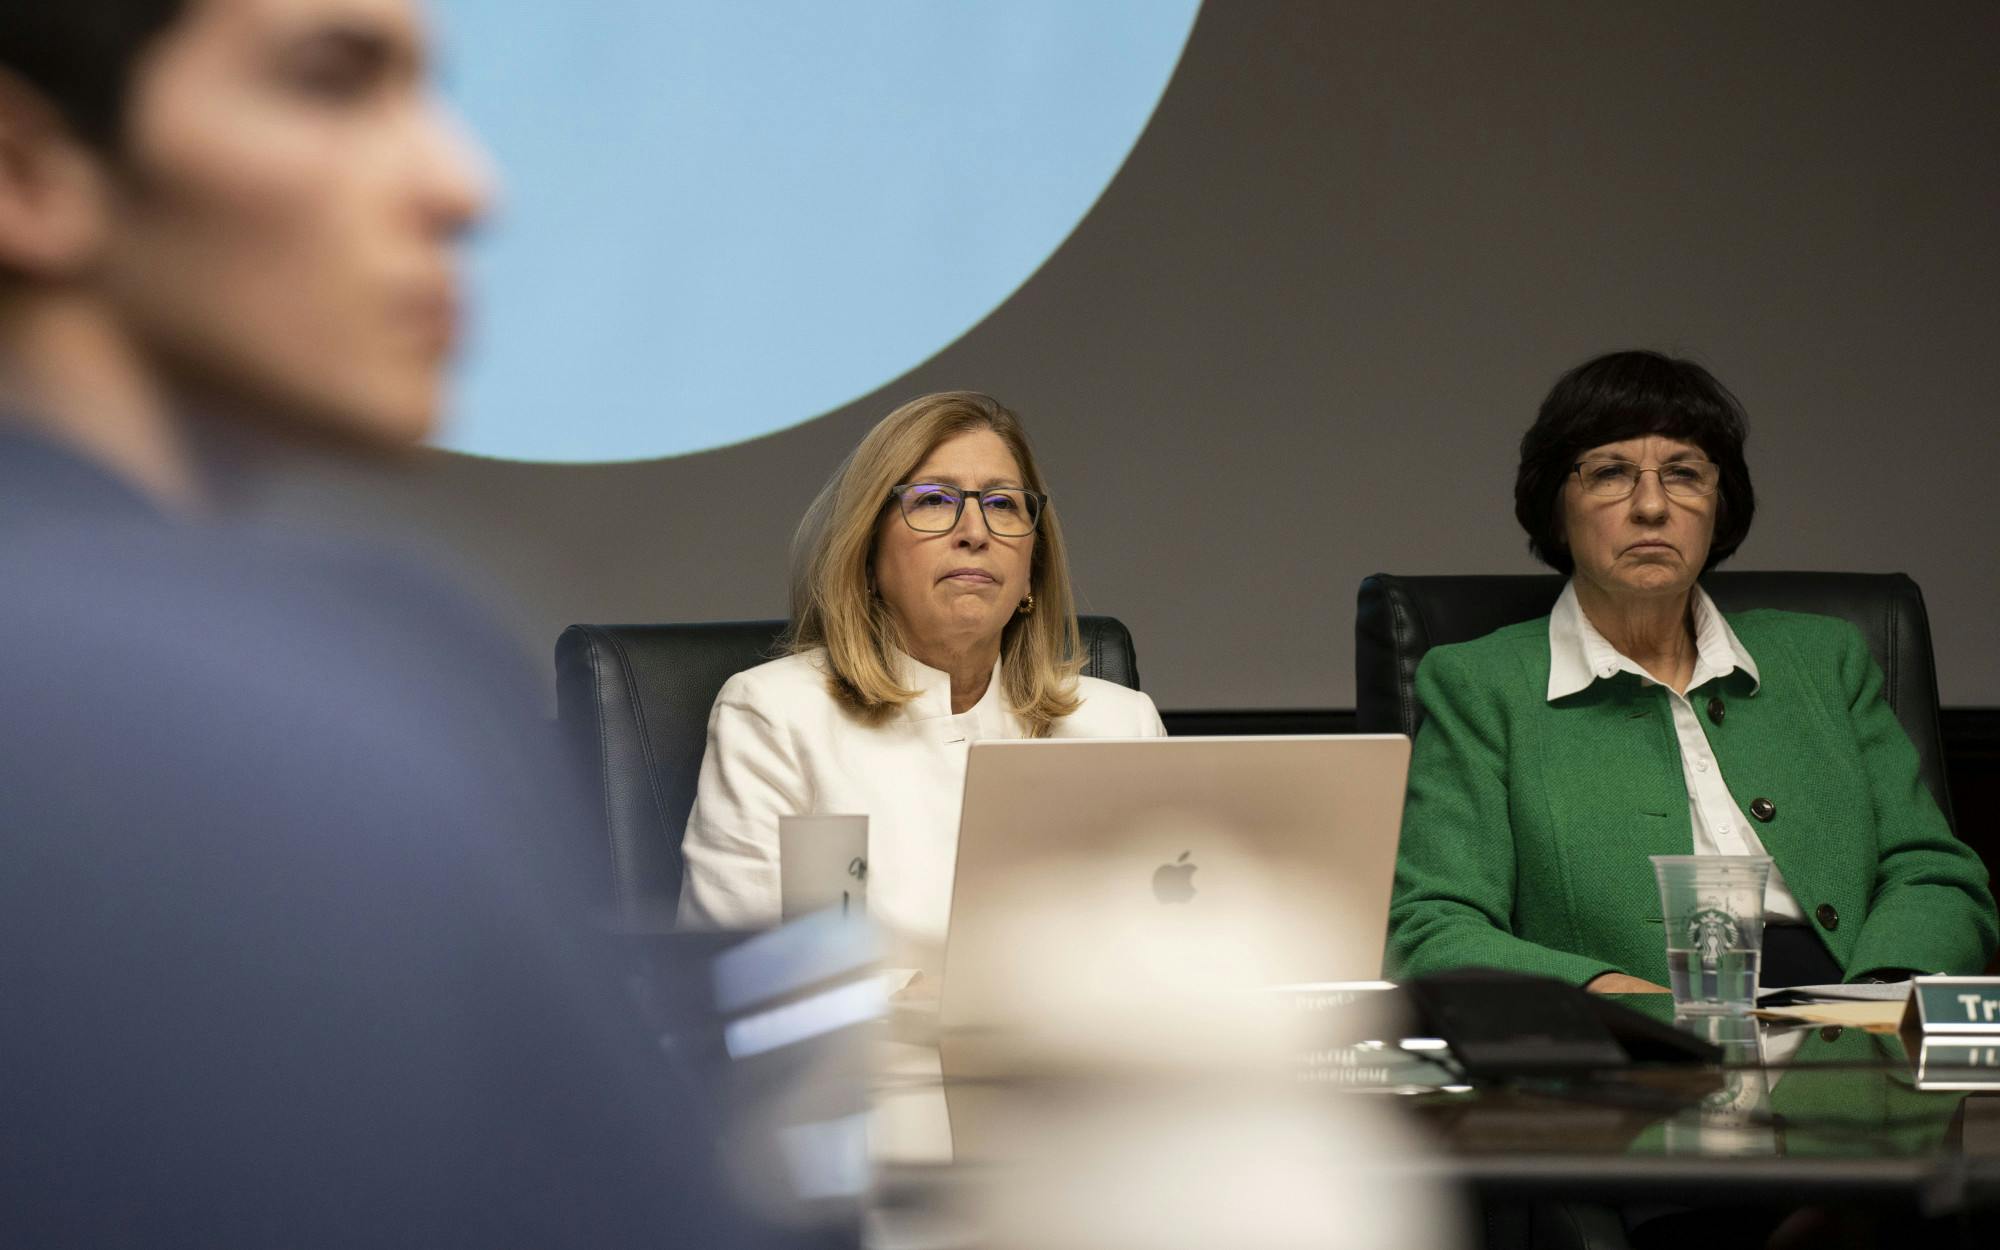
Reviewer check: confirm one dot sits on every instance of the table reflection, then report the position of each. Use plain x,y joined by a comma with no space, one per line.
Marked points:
1791,1116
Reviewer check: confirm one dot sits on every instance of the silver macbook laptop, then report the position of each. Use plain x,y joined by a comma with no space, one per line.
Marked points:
1217,863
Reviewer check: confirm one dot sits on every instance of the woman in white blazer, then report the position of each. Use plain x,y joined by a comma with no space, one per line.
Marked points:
931,608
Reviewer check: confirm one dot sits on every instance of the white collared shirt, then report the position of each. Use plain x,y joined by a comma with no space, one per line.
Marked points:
780,744
1579,655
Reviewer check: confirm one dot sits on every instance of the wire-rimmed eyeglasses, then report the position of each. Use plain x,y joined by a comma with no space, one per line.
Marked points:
1615,479
934,508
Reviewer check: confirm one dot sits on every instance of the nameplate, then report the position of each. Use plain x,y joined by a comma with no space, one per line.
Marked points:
1954,1007
1958,1063
1329,995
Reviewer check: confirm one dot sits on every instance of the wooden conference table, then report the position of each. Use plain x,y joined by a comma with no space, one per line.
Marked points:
1793,1116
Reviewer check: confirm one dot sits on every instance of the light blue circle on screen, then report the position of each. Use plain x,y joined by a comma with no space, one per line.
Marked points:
721,219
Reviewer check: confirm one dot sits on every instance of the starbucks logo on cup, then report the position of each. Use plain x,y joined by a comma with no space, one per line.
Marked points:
1712,931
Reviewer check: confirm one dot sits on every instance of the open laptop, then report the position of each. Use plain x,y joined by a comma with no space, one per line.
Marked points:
1209,863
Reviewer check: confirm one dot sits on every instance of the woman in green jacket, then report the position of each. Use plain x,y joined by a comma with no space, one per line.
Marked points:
1637,720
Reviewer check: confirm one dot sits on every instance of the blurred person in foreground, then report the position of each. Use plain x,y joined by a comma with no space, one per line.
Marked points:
1637,719
292,948
931,608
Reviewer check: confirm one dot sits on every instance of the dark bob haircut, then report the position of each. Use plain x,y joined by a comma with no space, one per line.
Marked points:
1627,395
81,54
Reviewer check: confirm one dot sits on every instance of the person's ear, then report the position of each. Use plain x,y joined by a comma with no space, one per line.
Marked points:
54,189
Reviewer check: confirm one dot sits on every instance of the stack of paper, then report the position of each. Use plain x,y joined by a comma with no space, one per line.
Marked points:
1876,1008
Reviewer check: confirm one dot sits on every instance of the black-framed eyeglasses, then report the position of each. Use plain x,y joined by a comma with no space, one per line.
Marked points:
934,508
1615,479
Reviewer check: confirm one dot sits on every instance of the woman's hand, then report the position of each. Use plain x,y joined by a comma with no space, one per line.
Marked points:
1619,983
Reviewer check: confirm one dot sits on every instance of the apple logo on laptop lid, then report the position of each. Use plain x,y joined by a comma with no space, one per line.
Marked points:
1174,883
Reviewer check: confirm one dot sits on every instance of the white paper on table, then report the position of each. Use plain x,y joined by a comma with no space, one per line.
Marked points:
1867,992
1876,1016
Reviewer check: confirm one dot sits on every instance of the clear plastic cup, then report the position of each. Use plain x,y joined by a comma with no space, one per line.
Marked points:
1712,907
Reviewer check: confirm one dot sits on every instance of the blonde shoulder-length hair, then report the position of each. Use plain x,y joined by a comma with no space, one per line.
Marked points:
833,601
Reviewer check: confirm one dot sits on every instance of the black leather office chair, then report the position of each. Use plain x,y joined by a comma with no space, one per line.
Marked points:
1400,618
633,703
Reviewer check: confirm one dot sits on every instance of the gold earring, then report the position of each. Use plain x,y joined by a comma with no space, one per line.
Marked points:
1028,604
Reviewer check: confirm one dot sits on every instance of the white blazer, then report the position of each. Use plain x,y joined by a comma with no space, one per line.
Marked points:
780,744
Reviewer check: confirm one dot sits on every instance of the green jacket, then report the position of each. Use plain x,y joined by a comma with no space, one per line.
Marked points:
1528,823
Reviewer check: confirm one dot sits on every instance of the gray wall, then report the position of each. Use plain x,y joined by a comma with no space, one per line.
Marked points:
1297,340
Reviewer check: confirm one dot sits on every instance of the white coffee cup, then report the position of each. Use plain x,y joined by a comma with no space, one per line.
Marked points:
822,863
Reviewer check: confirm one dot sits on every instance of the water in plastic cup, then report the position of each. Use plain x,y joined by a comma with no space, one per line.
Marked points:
1712,907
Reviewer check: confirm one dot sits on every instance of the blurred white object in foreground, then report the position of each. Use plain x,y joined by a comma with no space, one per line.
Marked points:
1145,1094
